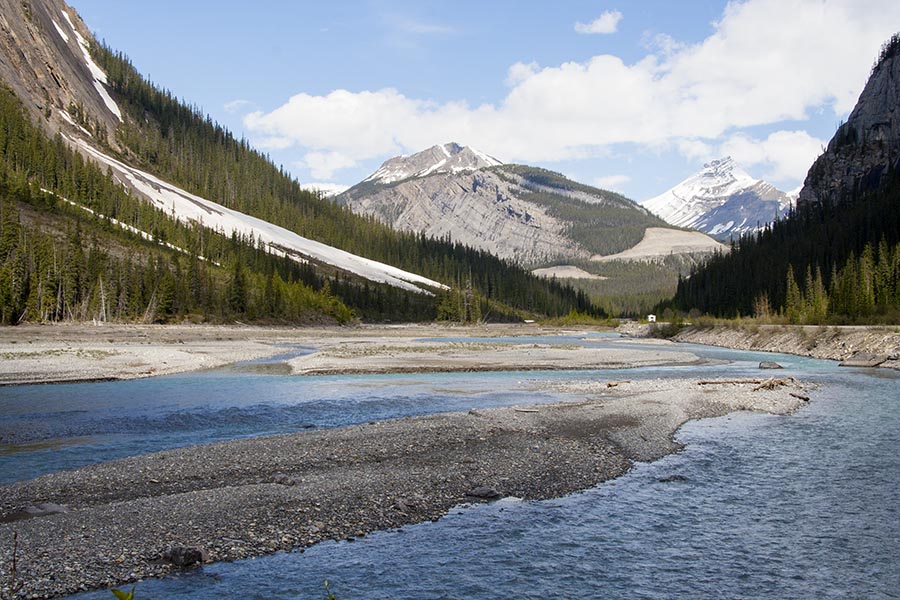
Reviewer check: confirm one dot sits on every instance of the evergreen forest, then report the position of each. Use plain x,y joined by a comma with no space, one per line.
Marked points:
825,263
74,244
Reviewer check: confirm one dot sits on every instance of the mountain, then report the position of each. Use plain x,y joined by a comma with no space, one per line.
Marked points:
721,200
101,165
836,258
866,149
446,158
526,214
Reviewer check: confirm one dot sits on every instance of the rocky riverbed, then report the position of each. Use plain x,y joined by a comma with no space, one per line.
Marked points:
86,352
129,519
857,346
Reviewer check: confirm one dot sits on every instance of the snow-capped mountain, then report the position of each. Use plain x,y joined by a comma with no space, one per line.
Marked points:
445,158
722,200
529,215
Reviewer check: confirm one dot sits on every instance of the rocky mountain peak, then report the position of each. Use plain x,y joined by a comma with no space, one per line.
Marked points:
721,199
867,146
443,158
723,172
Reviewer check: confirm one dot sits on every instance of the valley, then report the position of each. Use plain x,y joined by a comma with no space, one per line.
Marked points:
405,302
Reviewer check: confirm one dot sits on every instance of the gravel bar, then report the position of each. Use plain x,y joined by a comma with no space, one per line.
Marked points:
112,523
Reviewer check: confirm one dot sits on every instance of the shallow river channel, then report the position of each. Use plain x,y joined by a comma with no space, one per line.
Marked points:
755,506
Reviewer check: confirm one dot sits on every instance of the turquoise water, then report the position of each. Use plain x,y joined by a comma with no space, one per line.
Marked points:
803,506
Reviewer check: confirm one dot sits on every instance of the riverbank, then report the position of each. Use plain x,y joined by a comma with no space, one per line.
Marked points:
875,346
249,497
85,352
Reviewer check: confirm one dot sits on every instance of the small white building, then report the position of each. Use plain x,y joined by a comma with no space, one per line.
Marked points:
651,318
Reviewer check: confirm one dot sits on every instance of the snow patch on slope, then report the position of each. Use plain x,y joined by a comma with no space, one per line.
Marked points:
131,228
97,73
326,188
68,118
59,30
445,158
278,240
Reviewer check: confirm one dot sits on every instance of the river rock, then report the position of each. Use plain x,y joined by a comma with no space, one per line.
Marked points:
768,364
864,359
484,492
282,479
673,478
184,556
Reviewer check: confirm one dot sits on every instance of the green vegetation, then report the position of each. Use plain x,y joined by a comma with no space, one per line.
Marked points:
825,263
604,228
175,141
64,253
632,288
58,261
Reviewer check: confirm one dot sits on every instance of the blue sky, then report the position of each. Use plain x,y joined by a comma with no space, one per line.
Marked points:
632,96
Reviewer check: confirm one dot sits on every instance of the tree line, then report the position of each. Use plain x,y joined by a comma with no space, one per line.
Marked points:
176,141
57,261
826,262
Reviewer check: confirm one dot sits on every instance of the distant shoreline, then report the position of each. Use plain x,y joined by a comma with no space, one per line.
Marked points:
79,353
860,344
76,353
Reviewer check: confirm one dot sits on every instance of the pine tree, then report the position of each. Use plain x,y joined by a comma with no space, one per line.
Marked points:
793,305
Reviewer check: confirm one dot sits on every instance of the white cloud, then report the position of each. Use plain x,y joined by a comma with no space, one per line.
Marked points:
519,72
695,150
785,155
608,22
322,165
236,105
611,182
327,188
767,61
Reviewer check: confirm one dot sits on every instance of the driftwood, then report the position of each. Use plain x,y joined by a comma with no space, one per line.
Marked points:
771,384
728,381
612,384
800,397
761,384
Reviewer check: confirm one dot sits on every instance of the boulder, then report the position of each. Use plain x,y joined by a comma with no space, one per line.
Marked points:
864,359
768,364
184,556
484,492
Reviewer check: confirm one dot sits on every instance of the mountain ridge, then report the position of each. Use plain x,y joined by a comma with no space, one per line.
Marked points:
530,215
836,258
721,200
866,148
441,158
176,158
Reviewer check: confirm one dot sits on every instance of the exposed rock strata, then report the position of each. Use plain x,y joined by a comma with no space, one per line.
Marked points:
867,146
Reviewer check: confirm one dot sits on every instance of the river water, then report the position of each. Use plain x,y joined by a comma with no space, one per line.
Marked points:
761,506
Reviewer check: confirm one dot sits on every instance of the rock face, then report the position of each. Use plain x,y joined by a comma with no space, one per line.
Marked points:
475,208
721,200
446,158
867,146
529,215
46,62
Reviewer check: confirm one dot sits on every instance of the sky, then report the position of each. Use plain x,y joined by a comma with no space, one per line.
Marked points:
632,96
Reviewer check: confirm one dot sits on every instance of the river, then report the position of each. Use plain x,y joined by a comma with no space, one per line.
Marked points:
756,506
